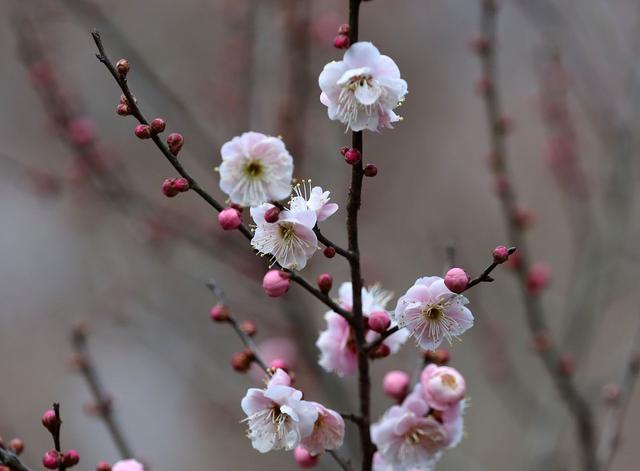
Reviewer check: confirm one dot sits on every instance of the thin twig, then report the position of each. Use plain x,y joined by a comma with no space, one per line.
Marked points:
101,398
344,464
12,461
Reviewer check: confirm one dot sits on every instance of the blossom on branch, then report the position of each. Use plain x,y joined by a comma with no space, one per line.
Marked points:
328,431
314,199
431,312
255,169
127,465
363,89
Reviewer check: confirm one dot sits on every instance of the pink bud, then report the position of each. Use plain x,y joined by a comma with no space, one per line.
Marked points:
175,141
304,458
500,254
343,150
275,283
143,131
456,280
219,313
396,384
181,184
123,110
51,459
49,420
16,445
158,125
241,361
341,41
352,156
344,29
370,170
329,252
103,466
325,281
272,214
249,328
169,187
229,219
538,278
442,386
379,321
122,66
82,131
71,458
381,351
279,364
439,356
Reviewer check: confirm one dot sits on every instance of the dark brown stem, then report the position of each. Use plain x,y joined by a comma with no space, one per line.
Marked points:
339,250
344,464
536,320
55,434
101,398
193,184
11,461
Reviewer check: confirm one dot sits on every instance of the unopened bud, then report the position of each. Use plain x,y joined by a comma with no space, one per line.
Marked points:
370,170
329,252
352,156
248,328
379,321
229,219
325,282
500,254
103,466
51,459
16,445
381,351
122,66
49,420
456,280
272,214
341,41
143,131
241,362
158,125
175,141
219,313
71,458
440,356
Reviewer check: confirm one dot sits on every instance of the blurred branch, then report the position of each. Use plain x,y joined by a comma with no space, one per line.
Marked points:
550,356
102,400
11,461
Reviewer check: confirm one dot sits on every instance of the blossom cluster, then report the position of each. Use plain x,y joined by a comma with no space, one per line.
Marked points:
411,436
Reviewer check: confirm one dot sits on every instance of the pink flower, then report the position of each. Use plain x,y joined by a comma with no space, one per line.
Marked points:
328,431
278,418
255,169
431,312
337,343
363,89
275,283
290,240
443,386
313,199
127,465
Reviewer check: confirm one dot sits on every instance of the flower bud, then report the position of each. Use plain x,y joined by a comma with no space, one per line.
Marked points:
241,361
229,219
304,458
123,110
341,41
219,313
143,131
379,321
249,328
49,420
440,356
279,364
370,170
396,384
175,141
343,150
329,252
275,283
456,280
272,214
380,351
122,66
325,281
442,386
51,459
16,445
103,466
169,187
352,156
181,184
500,254
538,278
71,458
344,29
158,125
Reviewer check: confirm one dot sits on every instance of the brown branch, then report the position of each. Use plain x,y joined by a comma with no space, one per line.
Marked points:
550,356
102,399
339,250
12,461
345,465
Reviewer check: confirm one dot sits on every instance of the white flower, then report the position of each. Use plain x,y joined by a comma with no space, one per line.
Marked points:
328,431
255,169
290,240
363,89
278,418
314,199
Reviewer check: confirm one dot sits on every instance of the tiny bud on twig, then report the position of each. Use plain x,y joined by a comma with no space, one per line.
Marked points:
122,66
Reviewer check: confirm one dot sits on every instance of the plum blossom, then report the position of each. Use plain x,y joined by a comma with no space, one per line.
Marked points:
431,312
255,169
363,89
328,431
313,199
443,386
127,465
278,418
290,240
337,343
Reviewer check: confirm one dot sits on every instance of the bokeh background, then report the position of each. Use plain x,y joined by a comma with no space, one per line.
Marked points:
88,235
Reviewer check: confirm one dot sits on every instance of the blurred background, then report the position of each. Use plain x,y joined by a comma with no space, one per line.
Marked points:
90,237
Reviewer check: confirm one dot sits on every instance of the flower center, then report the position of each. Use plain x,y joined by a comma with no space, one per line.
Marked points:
433,313
287,231
254,168
359,94
448,381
